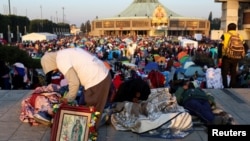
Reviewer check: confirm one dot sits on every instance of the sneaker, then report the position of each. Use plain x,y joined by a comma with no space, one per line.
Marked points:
43,117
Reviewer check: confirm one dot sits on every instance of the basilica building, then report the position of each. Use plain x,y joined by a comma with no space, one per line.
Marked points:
150,18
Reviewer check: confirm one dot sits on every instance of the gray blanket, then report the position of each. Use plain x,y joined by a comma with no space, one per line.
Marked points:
159,110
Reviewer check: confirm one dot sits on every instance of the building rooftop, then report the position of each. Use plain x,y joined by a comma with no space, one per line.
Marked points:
141,9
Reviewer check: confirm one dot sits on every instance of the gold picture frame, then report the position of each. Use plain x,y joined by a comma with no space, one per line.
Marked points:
71,123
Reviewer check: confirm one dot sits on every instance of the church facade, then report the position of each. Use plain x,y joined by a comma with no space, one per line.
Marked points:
150,18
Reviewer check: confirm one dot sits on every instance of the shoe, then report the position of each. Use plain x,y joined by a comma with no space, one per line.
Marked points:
43,117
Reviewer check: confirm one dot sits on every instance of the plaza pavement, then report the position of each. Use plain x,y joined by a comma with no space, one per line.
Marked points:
234,101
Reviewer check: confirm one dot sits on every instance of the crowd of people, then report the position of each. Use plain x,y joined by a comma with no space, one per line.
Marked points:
114,69
113,49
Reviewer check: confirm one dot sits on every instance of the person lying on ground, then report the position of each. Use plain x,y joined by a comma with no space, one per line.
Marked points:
200,104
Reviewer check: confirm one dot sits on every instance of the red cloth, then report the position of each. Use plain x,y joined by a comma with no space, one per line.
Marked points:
219,64
56,78
156,78
117,81
32,99
122,46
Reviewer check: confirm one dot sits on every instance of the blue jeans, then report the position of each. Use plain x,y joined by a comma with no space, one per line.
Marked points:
200,108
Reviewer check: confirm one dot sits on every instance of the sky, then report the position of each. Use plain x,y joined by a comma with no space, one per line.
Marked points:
80,11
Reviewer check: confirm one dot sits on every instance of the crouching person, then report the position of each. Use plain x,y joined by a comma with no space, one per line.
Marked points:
81,68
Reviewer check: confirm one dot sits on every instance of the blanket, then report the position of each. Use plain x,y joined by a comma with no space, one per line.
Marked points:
160,110
41,99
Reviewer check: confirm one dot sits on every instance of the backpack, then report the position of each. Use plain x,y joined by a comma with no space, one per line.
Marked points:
235,49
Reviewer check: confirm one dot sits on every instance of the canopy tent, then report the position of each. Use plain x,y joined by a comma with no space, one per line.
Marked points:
194,70
39,37
184,59
151,66
187,64
190,43
160,59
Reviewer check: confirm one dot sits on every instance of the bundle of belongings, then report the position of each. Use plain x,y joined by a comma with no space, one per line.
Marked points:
158,116
38,107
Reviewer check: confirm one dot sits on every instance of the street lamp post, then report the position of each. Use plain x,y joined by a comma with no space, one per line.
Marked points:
63,14
9,34
56,17
18,34
25,30
41,11
9,8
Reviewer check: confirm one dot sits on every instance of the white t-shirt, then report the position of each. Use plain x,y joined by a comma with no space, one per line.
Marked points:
88,67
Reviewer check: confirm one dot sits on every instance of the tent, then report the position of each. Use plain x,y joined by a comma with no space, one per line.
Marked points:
151,66
187,42
39,37
192,70
187,64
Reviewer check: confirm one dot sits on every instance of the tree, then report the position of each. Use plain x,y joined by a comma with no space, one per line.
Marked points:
215,24
88,26
82,28
12,54
13,22
39,25
210,17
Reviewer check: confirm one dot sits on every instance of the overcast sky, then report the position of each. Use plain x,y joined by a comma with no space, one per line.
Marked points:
79,11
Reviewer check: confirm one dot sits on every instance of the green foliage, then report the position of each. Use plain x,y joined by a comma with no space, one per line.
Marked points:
215,24
210,17
39,25
21,22
86,27
12,54
5,21
82,28
13,22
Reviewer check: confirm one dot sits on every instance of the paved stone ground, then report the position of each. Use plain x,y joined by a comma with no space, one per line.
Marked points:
234,101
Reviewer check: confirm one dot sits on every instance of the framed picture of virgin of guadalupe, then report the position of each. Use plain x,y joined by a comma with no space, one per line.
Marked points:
73,123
